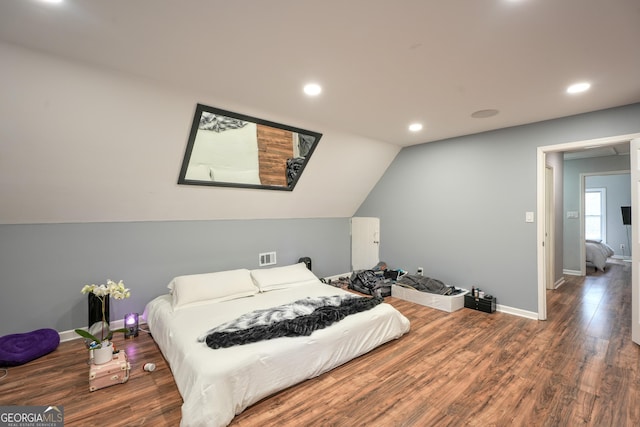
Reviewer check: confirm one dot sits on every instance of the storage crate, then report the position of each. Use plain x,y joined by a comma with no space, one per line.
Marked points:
480,304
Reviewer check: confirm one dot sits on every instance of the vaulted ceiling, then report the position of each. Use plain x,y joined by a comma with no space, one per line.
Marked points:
382,64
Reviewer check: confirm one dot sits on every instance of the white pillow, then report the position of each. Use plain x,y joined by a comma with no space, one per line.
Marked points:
211,287
199,172
268,279
248,176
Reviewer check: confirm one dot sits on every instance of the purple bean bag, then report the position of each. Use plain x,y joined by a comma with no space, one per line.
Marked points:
18,349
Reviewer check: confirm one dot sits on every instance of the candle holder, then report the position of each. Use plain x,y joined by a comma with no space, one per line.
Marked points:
131,324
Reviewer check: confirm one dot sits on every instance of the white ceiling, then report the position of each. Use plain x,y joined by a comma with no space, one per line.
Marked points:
382,63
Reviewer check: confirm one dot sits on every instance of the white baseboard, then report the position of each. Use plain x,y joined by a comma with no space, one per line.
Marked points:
68,336
572,272
517,312
116,324
559,283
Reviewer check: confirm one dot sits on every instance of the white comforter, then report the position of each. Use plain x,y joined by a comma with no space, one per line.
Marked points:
217,384
597,253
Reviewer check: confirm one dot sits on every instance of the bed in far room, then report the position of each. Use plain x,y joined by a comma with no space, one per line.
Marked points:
597,253
216,384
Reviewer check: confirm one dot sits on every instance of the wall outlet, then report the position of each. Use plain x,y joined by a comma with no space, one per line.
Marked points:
419,271
622,246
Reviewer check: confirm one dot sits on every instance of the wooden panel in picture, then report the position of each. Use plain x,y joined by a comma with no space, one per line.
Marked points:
275,146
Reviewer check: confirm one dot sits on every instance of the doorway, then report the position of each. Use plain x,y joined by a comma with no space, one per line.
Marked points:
610,190
542,206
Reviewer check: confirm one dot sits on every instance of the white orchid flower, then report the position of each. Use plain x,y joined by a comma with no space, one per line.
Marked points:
87,288
117,291
101,291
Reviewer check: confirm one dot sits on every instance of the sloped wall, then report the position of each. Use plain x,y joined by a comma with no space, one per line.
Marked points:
81,144
89,163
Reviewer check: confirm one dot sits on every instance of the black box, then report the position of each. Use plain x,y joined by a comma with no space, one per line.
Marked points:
481,304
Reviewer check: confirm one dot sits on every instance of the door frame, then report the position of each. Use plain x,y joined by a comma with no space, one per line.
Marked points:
634,153
550,236
541,206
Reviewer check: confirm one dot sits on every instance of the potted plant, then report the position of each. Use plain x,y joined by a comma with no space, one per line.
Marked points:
101,345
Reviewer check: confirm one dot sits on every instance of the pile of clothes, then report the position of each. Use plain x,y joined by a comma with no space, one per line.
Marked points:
376,281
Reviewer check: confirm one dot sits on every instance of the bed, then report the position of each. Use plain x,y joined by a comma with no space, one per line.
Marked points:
217,384
597,253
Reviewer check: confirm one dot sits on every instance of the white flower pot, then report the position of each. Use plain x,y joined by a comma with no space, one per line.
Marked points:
103,354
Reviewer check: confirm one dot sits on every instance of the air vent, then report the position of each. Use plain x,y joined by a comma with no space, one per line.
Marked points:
267,258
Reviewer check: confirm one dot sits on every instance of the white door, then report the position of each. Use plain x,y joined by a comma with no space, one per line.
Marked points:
635,240
365,243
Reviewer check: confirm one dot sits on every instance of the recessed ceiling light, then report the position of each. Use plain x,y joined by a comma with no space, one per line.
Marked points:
578,87
415,127
312,89
483,114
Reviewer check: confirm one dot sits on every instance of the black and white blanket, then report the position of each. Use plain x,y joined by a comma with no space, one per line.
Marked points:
299,318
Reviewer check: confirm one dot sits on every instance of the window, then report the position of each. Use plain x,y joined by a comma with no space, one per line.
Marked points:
595,220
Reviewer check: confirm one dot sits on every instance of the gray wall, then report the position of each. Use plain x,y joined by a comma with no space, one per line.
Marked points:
572,171
43,267
457,207
454,207
618,193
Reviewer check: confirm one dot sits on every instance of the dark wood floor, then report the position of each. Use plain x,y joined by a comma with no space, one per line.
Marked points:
465,368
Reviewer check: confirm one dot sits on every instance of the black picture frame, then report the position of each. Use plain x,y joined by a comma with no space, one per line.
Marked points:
221,151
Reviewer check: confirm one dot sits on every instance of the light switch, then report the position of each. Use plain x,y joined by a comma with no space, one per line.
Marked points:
572,214
528,217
